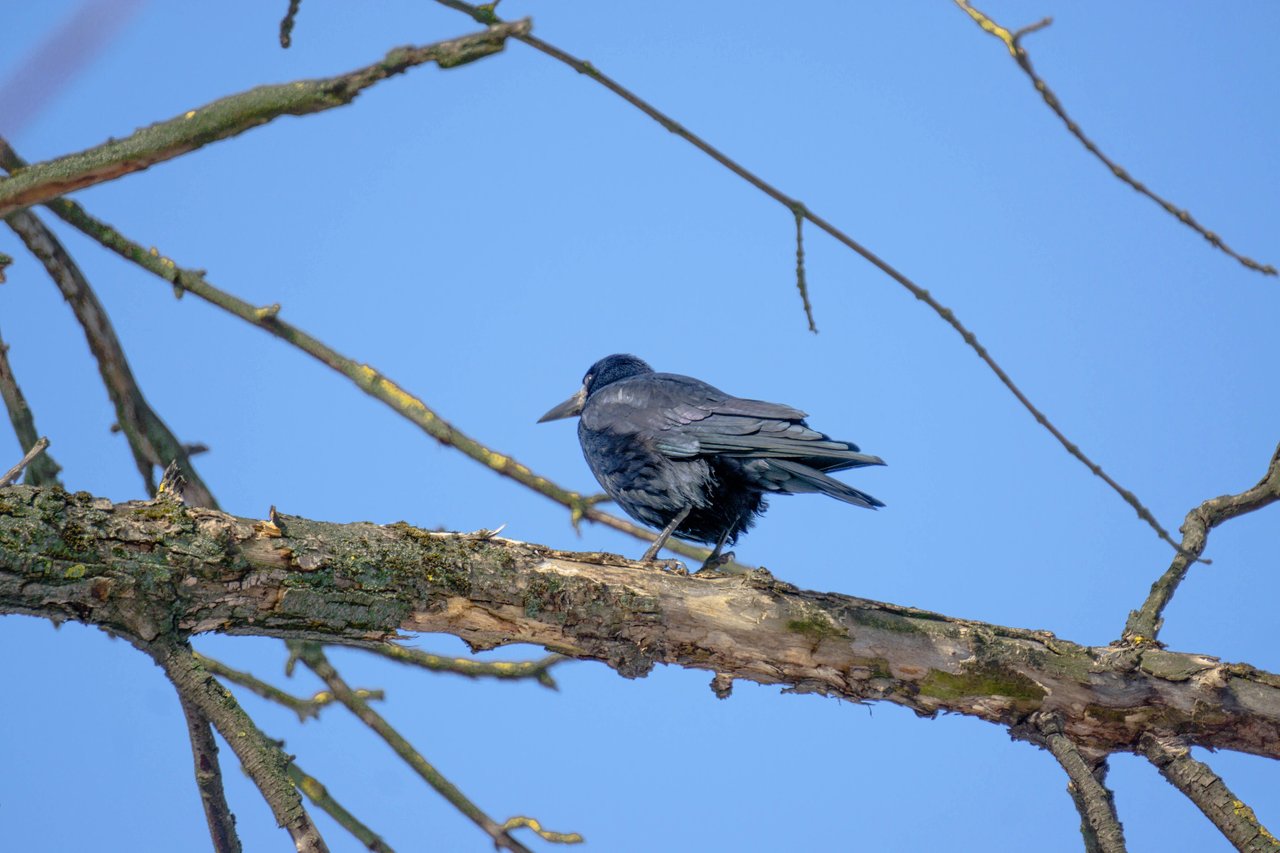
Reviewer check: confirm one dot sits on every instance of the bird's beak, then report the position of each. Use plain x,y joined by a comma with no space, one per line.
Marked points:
567,409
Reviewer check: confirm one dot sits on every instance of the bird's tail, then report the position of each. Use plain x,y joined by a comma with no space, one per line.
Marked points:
802,478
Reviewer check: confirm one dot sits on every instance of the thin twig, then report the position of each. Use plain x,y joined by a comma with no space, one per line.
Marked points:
320,797
313,656
16,471
1013,42
801,284
366,378
1206,789
5,261
42,470
538,670
305,708
204,751
262,759
485,15
1099,825
522,822
231,116
1144,624
150,439
286,24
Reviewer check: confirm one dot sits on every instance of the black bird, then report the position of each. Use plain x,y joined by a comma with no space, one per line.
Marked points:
693,461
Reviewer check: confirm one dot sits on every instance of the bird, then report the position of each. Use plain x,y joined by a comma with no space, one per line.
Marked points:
685,458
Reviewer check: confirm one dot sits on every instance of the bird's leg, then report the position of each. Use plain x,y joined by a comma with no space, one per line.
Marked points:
715,560
666,534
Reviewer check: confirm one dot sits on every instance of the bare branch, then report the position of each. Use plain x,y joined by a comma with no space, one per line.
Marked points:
313,656
1099,824
231,116
305,708
1013,42
1144,624
538,670
1210,794
485,14
522,822
365,377
16,471
261,758
320,797
42,470
204,750
286,24
801,284
365,583
150,439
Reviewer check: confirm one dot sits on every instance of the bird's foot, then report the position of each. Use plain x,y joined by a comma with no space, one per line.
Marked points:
715,561
675,567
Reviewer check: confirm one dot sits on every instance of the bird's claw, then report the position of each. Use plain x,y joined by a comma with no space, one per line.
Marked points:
714,563
675,567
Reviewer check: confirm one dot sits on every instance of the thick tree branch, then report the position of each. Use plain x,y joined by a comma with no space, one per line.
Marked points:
42,470
1099,824
485,14
1210,794
150,439
370,381
231,116
204,751
1144,624
1013,42
143,568
263,760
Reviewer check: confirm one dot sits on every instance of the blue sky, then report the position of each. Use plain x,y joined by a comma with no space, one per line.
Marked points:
483,235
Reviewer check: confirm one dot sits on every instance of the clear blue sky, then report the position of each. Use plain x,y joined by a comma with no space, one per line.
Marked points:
482,235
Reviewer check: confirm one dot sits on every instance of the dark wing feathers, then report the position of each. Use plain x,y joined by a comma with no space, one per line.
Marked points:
762,439
792,477
684,417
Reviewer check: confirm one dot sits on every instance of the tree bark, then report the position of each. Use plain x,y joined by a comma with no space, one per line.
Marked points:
150,569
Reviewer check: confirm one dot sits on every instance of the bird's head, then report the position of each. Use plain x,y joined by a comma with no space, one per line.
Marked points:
604,372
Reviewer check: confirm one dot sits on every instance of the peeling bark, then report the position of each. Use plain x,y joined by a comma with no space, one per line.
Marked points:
158,568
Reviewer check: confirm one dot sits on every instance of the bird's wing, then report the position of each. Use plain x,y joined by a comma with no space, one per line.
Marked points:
766,438
683,418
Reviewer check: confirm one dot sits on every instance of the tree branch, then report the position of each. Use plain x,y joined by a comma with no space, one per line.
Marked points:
262,759
538,670
234,115
287,22
136,568
363,376
485,14
1013,42
1098,821
42,470
1144,624
313,656
15,472
305,708
320,797
1210,794
152,442
204,750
